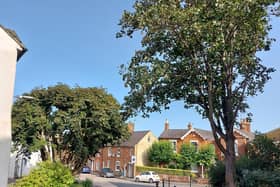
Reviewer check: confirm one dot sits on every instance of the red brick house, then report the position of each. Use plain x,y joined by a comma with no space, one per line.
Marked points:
125,157
199,137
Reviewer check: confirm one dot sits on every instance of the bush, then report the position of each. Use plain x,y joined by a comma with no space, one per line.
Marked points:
247,175
216,174
86,183
47,174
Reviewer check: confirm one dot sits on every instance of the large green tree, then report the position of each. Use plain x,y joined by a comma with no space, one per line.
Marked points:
66,124
202,53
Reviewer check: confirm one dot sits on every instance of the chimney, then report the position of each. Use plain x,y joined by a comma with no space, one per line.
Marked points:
190,126
130,127
166,125
245,125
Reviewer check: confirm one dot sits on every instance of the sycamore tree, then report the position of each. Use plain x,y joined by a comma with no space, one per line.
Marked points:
202,53
66,124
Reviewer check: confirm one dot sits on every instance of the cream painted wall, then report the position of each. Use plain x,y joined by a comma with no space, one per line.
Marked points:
142,147
8,59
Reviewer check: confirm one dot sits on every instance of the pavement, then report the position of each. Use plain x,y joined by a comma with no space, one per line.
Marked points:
129,182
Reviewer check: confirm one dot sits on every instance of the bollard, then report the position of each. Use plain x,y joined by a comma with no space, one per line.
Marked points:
162,182
157,183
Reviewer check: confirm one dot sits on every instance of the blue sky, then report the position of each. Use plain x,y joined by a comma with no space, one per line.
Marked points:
73,42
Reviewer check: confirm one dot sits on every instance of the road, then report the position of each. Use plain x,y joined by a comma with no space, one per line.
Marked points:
117,182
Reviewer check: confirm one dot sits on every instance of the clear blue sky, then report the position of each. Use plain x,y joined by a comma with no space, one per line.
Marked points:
73,42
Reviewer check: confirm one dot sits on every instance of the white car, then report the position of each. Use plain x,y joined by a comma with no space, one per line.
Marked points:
147,176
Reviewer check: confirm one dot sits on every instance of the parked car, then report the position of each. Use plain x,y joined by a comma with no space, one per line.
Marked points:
106,172
147,176
85,169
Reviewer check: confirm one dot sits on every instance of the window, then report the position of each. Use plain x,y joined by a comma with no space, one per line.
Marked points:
97,166
195,144
236,147
130,152
119,152
174,145
149,139
108,163
110,151
118,166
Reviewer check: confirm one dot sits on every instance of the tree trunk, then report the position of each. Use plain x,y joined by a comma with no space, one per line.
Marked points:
230,162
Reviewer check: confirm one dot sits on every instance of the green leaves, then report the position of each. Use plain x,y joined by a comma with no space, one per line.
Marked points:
74,122
191,44
206,51
47,174
161,153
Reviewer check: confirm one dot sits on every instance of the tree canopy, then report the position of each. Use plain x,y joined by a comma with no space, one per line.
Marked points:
68,124
200,52
161,153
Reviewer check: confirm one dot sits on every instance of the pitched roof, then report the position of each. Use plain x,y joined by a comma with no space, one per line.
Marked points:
244,133
207,135
173,133
274,134
180,133
135,137
15,37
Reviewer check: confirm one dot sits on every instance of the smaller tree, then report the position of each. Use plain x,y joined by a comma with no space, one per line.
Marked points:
161,153
188,156
205,156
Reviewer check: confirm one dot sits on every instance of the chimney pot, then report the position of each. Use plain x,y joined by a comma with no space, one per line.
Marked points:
130,127
245,125
166,125
190,126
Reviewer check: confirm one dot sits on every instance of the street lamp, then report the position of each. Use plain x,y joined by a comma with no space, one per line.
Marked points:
26,97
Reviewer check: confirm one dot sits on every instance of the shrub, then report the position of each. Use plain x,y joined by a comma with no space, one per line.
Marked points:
86,183
47,174
247,175
260,178
216,174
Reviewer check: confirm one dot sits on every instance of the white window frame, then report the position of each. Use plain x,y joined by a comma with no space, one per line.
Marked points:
119,152
110,151
117,165
236,147
174,145
195,141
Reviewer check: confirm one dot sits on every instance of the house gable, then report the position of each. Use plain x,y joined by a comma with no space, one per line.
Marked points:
10,41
